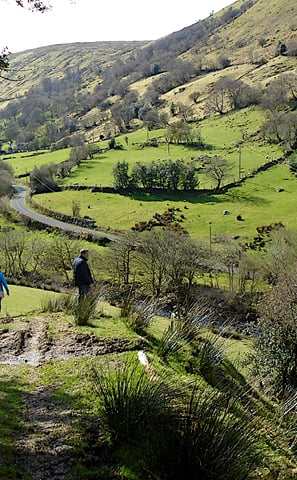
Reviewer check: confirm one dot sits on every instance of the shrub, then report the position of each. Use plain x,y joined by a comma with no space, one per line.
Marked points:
59,303
85,310
206,441
170,342
175,436
132,403
275,358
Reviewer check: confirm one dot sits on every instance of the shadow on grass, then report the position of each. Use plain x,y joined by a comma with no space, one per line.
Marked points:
84,167
174,197
41,436
10,401
246,198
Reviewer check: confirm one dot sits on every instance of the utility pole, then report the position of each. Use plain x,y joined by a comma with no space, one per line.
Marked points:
239,160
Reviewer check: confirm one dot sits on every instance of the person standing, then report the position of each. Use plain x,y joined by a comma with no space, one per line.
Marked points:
83,279
3,285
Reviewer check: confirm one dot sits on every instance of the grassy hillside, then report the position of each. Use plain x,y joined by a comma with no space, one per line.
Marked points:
57,405
246,33
29,66
267,198
264,199
75,401
24,300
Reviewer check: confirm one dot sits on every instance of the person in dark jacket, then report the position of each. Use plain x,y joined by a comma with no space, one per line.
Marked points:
3,285
83,279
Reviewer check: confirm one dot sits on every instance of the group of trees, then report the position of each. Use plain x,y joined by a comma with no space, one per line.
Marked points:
44,116
171,174
229,93
279,104
278,101
164,174
26,257
166,265
45,178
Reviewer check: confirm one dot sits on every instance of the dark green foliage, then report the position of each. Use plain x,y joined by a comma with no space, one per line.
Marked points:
133,403
293,163
175,436
264,235
85,309
275,358
112,143
121,176
281,48
164,174
169,220
207,441
4,61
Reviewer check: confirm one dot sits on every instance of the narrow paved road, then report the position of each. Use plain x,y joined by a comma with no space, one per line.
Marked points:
18,203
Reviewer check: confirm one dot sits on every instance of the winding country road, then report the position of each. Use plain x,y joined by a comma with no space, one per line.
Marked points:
18,203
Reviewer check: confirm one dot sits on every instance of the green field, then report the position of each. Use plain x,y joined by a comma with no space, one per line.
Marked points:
221,134
24,300
266,198
23,163
258,201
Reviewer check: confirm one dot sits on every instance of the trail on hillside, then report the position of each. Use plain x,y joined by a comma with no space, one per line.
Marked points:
45,446
34,344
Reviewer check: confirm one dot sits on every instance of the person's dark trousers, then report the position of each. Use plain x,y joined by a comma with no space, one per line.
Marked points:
83,290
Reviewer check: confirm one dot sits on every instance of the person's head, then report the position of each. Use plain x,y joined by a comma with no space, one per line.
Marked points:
84,253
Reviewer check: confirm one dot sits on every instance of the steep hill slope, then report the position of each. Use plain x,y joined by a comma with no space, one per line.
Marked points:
104,88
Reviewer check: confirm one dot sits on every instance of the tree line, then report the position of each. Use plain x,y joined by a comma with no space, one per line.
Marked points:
164,174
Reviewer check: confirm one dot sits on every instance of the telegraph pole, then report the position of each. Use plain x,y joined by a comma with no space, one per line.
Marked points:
239,161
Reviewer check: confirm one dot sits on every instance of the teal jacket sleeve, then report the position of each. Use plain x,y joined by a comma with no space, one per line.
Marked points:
3,282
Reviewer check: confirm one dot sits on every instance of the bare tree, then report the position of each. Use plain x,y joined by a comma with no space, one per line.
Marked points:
119,261
217,169
169,262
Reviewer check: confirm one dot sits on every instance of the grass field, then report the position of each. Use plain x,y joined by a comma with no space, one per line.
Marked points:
25,162
23,300
258,201
221,134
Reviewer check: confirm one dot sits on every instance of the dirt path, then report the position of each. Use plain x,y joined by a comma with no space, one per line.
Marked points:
45,448
49,429
33,344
